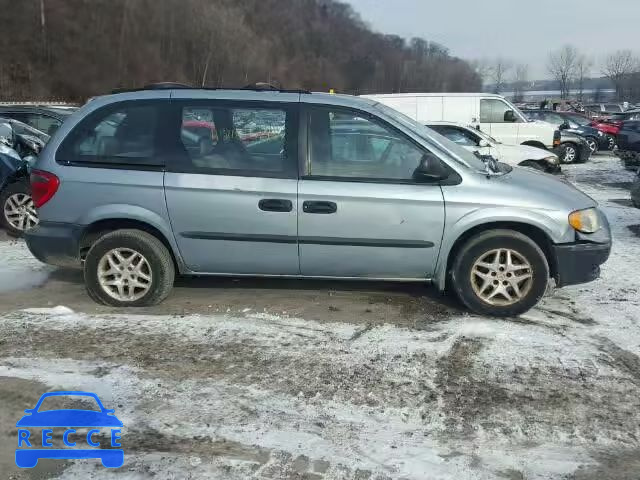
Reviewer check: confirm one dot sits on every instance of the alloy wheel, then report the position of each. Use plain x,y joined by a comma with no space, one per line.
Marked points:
501,277
124,274
569,154
20,212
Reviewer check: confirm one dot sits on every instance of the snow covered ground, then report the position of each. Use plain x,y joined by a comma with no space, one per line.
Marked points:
554,394
19,269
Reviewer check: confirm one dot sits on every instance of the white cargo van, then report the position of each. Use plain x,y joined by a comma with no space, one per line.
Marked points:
490,113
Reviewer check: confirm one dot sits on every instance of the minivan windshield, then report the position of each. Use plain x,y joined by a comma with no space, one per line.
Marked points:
460,154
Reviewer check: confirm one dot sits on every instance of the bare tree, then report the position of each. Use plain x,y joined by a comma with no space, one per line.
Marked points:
482,67
618,66
583,68
110,43
520,77
498,72
562,66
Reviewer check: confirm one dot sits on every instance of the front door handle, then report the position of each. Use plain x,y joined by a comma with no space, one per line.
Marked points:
319,207
275,205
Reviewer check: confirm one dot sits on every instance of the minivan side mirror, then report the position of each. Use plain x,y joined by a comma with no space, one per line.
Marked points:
564,126
430,169
509,116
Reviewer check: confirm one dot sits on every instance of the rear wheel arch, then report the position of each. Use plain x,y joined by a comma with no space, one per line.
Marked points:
536,234
99,228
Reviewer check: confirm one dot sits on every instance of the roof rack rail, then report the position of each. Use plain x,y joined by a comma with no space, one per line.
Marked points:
268,87
153,86
165,86
257,87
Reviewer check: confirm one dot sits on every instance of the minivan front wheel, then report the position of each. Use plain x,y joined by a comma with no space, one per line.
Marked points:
500,273
129,268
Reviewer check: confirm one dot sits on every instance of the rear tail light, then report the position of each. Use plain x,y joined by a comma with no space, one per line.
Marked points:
44,185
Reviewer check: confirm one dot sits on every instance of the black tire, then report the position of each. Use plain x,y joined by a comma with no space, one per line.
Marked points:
533,164
593,144
480,245
12,189
158,257
570,153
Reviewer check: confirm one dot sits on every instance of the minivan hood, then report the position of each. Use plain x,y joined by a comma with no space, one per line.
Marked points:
532,189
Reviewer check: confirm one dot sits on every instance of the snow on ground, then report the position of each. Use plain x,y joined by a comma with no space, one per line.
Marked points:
553,394
18,269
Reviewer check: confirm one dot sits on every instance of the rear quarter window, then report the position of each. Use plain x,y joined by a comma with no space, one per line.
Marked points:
119,135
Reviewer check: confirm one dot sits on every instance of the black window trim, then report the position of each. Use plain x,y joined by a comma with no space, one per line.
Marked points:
306,156
114,164
292,114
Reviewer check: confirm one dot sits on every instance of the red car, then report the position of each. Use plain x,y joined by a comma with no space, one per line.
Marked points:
610,126
610,129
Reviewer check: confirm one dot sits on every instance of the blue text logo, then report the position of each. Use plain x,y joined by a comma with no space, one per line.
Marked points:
33,445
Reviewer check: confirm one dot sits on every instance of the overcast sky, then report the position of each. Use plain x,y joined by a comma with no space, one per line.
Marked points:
523,30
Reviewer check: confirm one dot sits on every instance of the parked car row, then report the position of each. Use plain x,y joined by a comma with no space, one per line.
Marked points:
573,123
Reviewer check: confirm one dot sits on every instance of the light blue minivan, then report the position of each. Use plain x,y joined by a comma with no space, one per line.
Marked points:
138,186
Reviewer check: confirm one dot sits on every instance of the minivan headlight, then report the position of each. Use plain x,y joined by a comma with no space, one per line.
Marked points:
585,221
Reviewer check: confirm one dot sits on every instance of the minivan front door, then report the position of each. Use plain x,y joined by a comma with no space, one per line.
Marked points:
360,214
231,187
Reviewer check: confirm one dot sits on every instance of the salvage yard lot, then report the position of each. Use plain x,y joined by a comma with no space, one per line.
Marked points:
237,379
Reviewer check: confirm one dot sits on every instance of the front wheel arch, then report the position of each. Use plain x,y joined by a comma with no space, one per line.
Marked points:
535,143
483,272
536,234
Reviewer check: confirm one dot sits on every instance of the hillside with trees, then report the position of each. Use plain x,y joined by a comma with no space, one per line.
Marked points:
74,49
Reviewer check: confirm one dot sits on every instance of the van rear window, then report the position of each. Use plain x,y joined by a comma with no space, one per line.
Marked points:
118,135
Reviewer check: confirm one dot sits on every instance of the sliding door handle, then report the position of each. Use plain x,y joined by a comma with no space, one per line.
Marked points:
319,207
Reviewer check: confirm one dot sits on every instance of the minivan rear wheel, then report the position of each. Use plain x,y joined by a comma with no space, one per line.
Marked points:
501,273
128,268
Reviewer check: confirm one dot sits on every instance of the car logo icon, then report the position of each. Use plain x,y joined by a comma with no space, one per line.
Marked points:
69,419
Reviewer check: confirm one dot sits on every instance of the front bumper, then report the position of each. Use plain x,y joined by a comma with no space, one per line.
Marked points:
577,263
55,243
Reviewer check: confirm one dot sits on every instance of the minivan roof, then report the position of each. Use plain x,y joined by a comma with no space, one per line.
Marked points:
241,94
